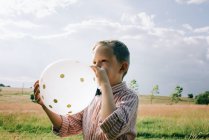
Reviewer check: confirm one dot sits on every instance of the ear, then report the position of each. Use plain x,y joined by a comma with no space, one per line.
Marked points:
124,67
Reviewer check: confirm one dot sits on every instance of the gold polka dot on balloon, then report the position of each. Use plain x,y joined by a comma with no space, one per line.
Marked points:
70,112
42,97
82,79
68,106
55,100
62,75
50,106
44,86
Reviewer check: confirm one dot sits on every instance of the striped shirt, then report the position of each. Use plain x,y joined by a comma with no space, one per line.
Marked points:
119,125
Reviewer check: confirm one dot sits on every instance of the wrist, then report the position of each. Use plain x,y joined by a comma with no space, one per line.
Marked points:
44,107
105,84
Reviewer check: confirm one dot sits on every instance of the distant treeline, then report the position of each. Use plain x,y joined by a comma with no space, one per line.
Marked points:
2,85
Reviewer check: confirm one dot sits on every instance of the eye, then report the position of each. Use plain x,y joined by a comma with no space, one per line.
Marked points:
104,60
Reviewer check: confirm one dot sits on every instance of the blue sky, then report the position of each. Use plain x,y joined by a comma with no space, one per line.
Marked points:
168,39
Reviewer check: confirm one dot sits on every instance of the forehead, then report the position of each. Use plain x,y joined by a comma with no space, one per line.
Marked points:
103,51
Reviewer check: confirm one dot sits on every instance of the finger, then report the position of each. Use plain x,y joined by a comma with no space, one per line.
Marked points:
36,88
37,92
95,68
36,83
38,100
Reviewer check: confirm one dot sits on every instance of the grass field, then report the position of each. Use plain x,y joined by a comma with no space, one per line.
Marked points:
22,119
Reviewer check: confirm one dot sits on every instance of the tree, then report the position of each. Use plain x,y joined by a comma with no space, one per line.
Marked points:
155,90
2,85
134,85
176,94
202,98
190,95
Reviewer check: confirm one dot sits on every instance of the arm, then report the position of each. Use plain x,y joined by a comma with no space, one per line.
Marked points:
54,118
108,104
62,125
123,119
115,119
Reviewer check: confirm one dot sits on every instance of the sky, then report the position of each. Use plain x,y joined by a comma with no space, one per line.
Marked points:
168,39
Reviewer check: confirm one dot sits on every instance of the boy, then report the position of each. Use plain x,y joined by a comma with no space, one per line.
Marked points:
112,113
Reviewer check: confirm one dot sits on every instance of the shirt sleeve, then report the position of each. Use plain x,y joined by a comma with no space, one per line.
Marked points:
122,119
71,125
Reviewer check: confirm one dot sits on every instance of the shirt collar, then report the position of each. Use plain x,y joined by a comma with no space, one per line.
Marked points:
119,87
115,88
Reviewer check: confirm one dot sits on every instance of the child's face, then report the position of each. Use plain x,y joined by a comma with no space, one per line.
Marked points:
103,57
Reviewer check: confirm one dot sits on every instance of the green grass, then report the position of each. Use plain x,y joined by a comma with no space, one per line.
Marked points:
35,126
155,122
173,128
26,126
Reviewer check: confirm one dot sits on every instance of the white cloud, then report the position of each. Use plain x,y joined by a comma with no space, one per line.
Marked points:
159,54
202,30
196,30
6,35
152,37
17,23
21,79
93,24
133,24
191,1
207,56
54,36
38,8
142,19
188,27
10,29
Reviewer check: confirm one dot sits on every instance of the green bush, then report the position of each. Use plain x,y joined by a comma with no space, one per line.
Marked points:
190,96
32,97
2,85
202,98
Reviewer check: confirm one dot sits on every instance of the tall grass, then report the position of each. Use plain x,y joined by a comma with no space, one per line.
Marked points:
26,126
167,128
35,126
20,119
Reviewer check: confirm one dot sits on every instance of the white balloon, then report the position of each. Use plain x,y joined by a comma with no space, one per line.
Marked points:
67,87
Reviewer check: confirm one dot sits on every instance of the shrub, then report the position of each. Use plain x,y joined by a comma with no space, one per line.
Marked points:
32,97
202,98
190,95
2,85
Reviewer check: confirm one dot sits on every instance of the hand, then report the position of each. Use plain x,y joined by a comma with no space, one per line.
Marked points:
37,94
101,75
